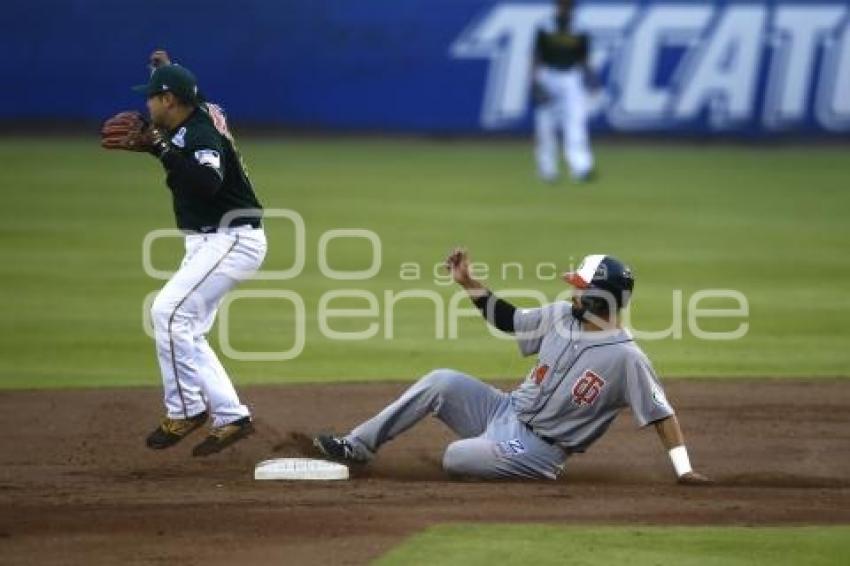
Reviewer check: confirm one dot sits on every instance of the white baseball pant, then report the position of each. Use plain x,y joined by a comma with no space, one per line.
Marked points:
183,312
565,111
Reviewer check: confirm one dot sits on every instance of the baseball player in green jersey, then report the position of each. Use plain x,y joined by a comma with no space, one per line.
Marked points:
588,369
216,208
559,72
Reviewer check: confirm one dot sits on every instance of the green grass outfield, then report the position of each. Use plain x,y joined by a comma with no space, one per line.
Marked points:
768,222
471,545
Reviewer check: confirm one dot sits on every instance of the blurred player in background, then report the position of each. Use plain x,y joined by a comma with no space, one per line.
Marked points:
559,72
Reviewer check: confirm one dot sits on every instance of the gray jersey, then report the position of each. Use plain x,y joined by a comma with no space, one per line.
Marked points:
582,379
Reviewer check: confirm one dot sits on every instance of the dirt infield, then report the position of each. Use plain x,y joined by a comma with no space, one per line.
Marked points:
77,485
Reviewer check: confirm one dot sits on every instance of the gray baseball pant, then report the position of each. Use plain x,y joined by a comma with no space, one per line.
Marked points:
494,445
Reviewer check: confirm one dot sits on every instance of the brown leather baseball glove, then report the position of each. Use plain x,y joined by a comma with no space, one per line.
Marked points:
128,130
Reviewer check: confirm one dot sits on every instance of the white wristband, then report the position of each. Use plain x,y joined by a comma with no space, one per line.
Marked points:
681,462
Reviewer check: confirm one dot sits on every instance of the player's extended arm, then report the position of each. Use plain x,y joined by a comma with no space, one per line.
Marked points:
496,311
670,434
159,58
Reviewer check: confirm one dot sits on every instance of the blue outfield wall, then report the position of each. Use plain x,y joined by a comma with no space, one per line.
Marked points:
737,68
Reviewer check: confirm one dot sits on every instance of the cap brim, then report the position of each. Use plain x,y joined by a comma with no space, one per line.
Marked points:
575,280
141,89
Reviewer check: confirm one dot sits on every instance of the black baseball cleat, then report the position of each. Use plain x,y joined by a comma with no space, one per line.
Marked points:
338,449
221,437
171,431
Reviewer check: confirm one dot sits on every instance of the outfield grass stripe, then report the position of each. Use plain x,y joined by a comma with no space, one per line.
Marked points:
769,222
543,545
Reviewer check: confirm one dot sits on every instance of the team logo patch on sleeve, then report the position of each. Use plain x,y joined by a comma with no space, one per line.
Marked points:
658,396
209,157
540,373
587,388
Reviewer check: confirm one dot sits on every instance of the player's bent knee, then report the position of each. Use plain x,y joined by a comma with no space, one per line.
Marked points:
465,458
168,313
453,460
440,379
161,310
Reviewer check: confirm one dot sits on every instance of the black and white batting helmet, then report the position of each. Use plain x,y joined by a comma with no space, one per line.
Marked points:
609,277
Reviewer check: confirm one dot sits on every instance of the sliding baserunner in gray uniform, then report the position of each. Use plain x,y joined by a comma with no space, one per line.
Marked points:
588,369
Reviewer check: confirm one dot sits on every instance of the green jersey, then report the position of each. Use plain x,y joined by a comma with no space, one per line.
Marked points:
199,142
558,48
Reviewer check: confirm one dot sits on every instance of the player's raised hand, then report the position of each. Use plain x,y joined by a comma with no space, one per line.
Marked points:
458,265
159,58
694,478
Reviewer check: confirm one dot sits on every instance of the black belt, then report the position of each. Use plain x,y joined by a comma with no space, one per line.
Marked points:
213,229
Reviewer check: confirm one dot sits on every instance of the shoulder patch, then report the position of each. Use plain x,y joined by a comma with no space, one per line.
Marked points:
658,396
209,157
179,138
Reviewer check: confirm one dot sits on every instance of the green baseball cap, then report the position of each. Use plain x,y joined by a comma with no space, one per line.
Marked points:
175,79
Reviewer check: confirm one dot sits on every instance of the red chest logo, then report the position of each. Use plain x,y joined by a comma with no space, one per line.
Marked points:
587,388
